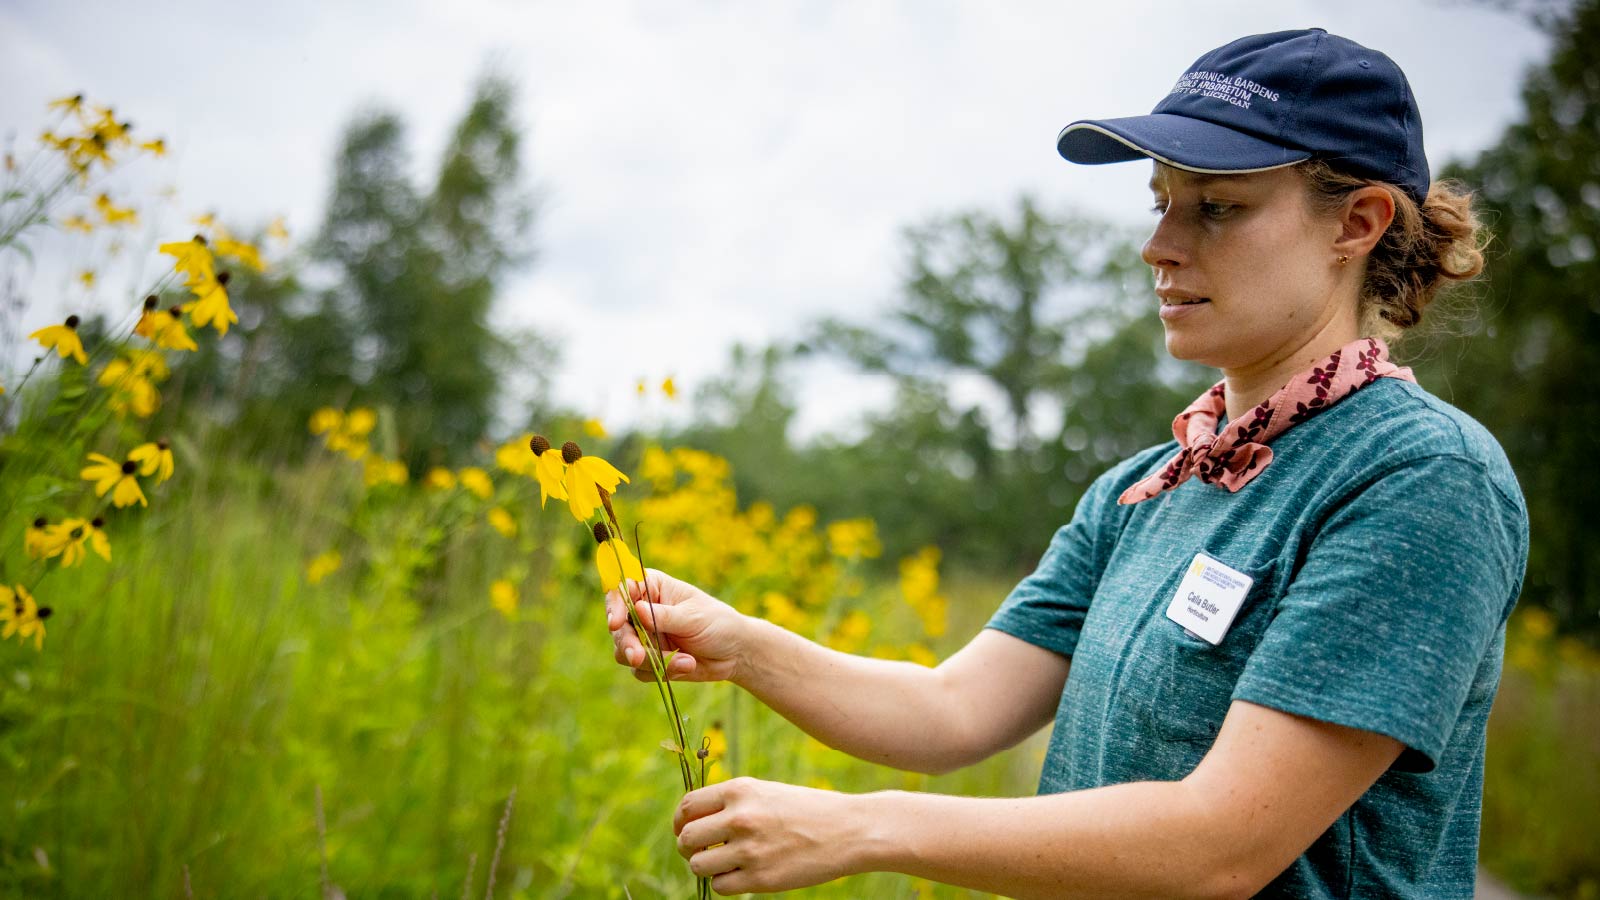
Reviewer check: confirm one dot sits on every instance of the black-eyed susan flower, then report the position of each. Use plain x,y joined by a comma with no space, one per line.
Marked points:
63,339
212,306
164,327
39,540
477,481
594,428
245,253
75,537
379,471
613,558
119,478
113,214
323,565
193,260
153,459
130,390
72,104
439,479
22,616
513,456
585,477
501,520
504,597
549,468
350,438
325,420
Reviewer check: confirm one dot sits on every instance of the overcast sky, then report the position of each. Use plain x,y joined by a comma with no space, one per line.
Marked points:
712,171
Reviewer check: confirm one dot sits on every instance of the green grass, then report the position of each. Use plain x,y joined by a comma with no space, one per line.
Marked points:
193,698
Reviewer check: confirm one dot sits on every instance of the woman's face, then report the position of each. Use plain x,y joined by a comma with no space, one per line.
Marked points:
1245,272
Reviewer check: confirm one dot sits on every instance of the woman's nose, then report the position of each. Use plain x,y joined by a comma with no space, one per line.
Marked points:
1164,248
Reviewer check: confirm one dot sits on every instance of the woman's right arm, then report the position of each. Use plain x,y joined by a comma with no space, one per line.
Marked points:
993,693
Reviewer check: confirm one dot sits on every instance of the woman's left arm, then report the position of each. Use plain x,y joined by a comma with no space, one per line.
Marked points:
1270,785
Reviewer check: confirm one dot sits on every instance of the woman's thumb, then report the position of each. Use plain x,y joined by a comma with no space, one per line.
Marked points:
660,617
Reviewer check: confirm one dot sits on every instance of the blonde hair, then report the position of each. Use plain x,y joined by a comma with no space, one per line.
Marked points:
1425,250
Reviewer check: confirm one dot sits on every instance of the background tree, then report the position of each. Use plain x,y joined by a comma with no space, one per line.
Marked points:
1528,364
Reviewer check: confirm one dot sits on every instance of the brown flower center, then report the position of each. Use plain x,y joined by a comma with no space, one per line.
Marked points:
538,444
570,452
130,467
72,322
601,535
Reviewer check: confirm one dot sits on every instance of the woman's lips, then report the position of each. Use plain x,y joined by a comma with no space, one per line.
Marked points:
1170,311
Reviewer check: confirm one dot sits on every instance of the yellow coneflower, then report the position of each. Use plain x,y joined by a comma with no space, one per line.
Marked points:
585,477
594,428
22,616
245,253
63,339
212,306
165,327
513,456
107,474
193,260
325,420
440,479
504,597
614,560
549,468
75,537
670,388
380,471
114,214
154,459
500,519
477,481
323,565
72,104
156,148
39,540
77,223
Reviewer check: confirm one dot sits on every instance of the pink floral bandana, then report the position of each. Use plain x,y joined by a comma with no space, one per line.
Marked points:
1240,451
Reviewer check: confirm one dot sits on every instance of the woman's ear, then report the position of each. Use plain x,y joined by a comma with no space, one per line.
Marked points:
1366,216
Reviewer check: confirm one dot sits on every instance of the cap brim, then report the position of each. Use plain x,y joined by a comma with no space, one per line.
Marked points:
1194,145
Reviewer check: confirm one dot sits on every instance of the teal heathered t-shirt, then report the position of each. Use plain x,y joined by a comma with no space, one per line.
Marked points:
1387,541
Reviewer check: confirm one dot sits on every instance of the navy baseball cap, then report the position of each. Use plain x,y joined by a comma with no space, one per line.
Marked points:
1273,100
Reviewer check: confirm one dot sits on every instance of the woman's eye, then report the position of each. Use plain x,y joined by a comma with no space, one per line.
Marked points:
1159,209
1215,210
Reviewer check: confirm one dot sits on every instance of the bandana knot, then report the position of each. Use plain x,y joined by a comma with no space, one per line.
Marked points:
1238,453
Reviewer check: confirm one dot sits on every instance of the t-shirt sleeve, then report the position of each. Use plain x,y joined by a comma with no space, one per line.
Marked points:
1047,607
1399,596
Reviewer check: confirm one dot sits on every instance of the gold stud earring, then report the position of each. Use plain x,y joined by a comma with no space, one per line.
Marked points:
1343,260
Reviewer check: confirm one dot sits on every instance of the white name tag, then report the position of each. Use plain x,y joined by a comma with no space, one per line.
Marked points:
1208,598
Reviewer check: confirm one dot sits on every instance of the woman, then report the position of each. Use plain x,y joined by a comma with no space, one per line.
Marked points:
1268,647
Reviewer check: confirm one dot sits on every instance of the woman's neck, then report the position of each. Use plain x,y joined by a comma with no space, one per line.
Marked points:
1249,386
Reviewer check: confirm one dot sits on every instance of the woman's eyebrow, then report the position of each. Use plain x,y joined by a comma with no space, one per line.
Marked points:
1198,180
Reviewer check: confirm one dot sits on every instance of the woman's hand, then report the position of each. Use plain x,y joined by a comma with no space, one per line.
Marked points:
753,836
709,635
